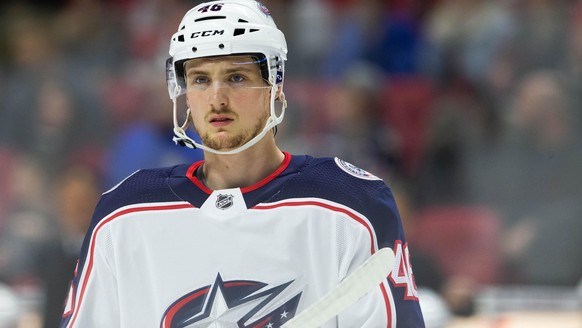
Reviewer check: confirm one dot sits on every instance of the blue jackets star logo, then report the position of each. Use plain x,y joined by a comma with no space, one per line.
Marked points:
236,304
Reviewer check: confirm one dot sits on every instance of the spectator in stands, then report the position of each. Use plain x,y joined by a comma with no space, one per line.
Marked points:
354,127
465,38
76,193
532,178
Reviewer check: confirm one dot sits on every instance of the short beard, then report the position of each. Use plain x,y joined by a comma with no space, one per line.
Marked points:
236,141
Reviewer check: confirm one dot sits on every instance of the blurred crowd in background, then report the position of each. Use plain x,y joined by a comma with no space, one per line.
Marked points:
468,109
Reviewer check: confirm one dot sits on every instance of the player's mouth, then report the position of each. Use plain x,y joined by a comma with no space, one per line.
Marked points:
220,120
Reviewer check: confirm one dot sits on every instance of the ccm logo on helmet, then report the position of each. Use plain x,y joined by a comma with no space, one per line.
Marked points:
206,33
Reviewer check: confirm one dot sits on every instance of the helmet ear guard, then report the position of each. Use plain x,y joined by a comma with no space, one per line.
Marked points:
222,28
174,88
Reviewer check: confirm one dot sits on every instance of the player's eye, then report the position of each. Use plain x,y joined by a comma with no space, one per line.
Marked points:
237,78
197,80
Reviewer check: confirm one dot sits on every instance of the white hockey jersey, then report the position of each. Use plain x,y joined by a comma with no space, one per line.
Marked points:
165,251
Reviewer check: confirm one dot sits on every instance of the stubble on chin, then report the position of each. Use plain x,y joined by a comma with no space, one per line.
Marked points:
228,142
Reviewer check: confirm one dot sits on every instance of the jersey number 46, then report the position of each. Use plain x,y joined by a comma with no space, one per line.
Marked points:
401,275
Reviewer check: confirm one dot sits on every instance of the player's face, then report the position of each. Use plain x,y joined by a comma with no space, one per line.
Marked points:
228,99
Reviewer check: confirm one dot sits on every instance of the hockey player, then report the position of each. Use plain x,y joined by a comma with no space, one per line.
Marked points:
252,235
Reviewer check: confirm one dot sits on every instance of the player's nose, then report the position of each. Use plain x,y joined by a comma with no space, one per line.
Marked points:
218,95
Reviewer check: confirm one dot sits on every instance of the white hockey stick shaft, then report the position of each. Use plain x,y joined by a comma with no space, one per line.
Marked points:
364,279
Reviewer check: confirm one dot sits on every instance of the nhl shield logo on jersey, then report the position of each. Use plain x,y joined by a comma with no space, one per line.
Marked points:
355,171
224,202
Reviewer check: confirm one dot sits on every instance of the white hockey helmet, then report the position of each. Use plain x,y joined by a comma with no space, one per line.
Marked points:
221,28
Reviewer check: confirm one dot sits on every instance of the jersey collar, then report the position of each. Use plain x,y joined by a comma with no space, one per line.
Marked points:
191,175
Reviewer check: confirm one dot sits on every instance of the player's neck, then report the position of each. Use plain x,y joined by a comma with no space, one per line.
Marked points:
243,169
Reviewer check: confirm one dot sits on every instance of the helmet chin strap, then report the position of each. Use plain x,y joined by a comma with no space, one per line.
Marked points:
181,138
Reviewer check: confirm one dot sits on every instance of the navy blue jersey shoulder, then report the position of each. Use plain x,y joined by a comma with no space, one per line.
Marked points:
323,178
144,186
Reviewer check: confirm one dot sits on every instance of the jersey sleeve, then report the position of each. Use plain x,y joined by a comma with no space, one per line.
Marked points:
395,302
373,310
403,293
93,299
93,296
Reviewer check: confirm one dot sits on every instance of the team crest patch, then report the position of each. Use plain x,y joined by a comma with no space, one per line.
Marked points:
233,303
264,9
224,202
354,170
